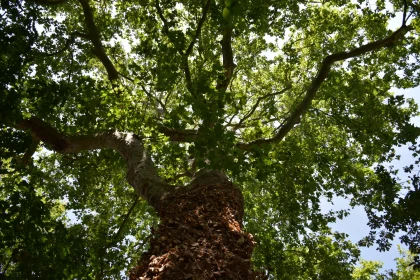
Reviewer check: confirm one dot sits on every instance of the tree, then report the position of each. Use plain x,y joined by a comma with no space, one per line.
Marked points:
177,111
405,270
368,270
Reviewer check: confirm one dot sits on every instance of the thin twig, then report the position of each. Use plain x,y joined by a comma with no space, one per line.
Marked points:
68,43
249,114
114,239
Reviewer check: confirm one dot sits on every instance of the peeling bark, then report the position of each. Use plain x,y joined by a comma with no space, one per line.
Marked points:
200,235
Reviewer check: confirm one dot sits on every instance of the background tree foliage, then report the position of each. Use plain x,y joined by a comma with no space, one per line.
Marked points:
404,269
193,80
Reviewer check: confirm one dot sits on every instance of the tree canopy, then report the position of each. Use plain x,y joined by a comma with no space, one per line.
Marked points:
292,100
404,269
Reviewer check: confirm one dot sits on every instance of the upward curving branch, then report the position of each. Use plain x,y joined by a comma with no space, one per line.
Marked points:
199,27
323,72
185,54
227,55
141,172
95,38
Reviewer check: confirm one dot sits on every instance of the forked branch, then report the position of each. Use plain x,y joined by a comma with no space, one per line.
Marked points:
251,112
185,54
320,78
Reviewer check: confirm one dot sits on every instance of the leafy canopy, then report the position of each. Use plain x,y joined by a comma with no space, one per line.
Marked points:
293,100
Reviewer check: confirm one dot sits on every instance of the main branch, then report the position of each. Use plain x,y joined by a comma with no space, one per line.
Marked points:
199,27
320,78
227,54
141,172
95,38
184,54
93,35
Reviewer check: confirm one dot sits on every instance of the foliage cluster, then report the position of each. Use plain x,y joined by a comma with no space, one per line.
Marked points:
293,100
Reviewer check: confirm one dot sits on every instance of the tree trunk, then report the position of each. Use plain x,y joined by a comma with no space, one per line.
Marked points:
200,235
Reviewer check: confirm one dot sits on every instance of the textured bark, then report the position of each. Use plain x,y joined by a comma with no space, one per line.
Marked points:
200,235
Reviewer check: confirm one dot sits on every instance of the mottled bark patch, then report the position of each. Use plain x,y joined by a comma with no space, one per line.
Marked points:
200,237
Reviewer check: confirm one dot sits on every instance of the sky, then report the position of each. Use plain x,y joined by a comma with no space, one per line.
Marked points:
355,225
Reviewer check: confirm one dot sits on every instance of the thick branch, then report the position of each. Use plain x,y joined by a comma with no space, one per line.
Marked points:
320,78
199,27
227,58
95,38
187,135
404,20
187,73
141,172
